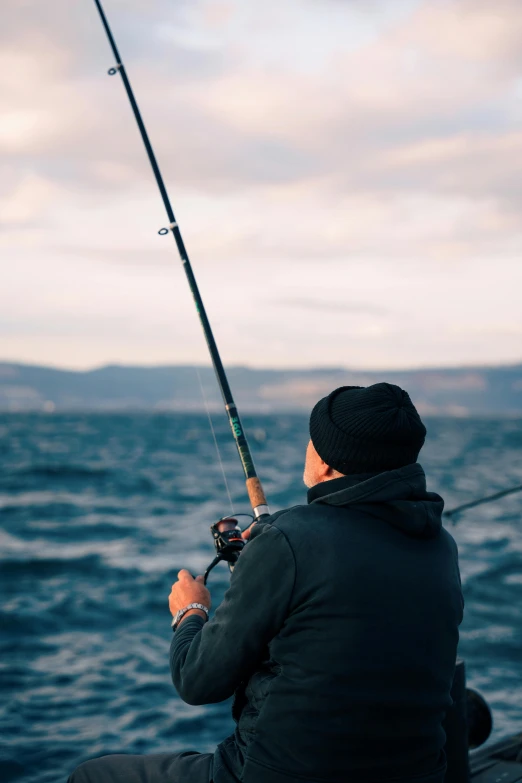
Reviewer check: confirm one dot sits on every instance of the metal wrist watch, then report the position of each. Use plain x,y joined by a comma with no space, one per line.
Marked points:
177,617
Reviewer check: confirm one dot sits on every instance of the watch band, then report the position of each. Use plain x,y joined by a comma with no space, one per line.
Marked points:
177,617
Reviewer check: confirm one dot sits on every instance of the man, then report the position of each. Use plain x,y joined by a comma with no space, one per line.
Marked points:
338,634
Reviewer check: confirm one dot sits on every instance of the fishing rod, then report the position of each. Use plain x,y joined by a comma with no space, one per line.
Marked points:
226,535
480,501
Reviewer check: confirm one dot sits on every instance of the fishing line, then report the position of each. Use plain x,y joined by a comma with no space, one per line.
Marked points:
218,450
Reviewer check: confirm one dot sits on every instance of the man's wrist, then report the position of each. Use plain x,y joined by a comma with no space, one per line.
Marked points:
191,608
199,612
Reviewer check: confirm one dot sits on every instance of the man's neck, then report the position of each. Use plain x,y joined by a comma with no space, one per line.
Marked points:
328,486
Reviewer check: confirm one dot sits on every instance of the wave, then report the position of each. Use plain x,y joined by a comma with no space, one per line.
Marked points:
124,481
67,471
51,566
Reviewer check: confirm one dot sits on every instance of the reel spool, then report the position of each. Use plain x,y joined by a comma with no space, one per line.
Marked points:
228,542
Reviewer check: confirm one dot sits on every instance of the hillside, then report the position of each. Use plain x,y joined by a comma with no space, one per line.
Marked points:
455,391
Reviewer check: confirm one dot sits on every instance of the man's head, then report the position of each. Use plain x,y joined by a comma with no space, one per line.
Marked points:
359,429
316,469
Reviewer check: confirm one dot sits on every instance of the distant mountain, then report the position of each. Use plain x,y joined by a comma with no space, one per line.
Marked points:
456,391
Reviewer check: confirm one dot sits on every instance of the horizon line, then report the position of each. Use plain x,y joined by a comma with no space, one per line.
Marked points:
311,368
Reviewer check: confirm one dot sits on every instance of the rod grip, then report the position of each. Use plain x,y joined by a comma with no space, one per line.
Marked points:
255,492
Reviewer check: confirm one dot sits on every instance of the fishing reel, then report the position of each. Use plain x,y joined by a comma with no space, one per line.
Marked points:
228,542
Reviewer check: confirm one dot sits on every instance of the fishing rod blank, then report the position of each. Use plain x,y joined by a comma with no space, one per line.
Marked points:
253,484
480,501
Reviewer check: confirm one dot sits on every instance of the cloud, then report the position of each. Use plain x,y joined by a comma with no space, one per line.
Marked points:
344,307
26,199
299,140
222,120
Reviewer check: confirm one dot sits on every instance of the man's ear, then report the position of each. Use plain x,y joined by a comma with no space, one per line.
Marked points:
324,470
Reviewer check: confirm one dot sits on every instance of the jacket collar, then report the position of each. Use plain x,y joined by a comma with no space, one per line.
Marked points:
370,487
334,486
398,497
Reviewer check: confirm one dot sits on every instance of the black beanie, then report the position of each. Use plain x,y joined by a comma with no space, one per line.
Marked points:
369,429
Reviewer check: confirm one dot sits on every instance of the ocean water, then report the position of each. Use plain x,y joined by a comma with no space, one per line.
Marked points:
98,512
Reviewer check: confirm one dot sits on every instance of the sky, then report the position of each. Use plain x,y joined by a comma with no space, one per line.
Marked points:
347,177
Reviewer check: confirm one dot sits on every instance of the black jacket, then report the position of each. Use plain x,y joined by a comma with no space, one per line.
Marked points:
338,635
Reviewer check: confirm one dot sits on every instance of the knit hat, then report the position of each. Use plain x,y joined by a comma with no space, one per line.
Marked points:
358,429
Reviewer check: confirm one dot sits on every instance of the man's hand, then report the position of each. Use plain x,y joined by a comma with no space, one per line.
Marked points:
188,590
245,535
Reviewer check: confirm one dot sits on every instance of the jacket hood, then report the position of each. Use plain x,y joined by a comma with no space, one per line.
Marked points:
398,497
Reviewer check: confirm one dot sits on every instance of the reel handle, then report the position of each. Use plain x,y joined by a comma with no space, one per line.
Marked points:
228,542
